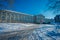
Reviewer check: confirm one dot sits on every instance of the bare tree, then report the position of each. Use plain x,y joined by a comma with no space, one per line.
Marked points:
6,3
54,5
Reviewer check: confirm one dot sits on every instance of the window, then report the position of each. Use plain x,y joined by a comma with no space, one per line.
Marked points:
3,15
8,16
19,17
12,16
3,18
16,16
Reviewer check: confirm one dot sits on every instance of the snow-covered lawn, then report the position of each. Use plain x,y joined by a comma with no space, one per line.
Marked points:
22,31
15,26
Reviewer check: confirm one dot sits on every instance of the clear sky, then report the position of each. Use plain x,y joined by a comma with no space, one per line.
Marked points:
32,7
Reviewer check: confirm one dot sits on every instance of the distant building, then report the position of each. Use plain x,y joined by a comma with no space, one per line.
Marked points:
47,21
39,18
57,18
52,21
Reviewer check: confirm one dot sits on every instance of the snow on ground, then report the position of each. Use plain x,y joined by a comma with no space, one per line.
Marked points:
14,26
30,31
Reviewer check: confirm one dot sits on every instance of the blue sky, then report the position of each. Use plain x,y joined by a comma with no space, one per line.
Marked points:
32,7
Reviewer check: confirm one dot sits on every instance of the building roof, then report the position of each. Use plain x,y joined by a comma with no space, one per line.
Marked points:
18,12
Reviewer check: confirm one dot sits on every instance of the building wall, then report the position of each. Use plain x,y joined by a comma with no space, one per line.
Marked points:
47,21
57,18
39,19
15,17
2,17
